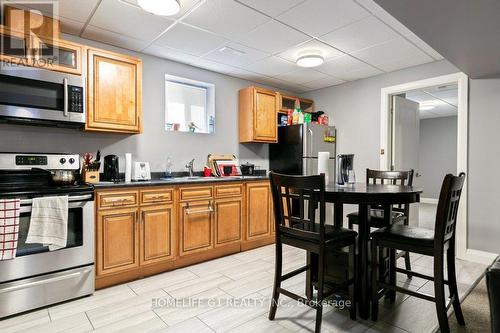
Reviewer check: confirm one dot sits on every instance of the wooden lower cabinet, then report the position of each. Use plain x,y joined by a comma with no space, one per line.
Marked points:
196,224
117,240
228,218
145,231
156,234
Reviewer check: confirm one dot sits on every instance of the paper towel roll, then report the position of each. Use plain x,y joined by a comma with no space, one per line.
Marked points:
128,168
323,160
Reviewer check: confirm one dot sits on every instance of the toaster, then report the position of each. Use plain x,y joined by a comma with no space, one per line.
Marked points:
141,171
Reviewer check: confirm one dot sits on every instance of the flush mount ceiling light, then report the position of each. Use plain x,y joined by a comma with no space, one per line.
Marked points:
426,107
160,7
310,60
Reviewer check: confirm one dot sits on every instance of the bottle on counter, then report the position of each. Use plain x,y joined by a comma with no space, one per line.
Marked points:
168,171
295,117
301,116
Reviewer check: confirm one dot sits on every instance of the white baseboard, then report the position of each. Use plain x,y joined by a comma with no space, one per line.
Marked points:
429,200
481,257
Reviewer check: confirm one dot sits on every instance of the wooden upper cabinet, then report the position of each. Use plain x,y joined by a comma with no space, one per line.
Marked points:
258,112
114,102
157,231
58,55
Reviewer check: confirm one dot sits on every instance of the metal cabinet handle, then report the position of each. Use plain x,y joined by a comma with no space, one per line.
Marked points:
44,281
66,97
210,209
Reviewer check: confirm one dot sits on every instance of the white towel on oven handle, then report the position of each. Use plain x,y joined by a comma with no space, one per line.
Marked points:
49,222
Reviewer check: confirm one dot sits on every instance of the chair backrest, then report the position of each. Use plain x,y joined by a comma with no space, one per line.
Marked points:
296,199
447,209
394,178
389,177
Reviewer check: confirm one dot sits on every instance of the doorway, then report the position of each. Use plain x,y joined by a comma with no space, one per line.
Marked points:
408,112
424,138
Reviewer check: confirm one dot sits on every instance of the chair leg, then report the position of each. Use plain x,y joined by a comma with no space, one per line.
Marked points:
352,275
452,285
319,299
277,279
439,293
392,274
374,280
350,224
407,263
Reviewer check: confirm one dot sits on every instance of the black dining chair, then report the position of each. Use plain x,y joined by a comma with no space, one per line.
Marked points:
435,243
400,213
296,202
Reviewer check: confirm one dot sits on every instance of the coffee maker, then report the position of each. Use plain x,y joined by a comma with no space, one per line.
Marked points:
111,169
345,169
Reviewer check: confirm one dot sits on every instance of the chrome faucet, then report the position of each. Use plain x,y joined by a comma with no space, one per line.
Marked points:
189,166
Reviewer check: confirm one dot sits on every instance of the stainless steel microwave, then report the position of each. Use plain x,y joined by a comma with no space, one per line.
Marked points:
40,96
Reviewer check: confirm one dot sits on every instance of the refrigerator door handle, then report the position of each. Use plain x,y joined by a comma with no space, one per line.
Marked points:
310,152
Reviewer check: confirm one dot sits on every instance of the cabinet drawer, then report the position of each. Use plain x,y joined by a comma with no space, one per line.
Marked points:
189,193
156,196
117,199
222,191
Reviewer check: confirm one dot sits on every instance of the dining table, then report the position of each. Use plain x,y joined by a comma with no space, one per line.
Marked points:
366,196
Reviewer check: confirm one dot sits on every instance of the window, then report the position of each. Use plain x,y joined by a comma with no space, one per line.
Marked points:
189,105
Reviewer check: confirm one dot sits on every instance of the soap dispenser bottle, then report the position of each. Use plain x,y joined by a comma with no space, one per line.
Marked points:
168,171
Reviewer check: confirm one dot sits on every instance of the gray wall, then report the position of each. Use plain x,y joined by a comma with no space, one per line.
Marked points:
484,164
154,145
437,153
354,108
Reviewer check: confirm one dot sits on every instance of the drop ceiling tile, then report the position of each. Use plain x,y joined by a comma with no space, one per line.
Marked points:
273,37
285,85
127,20
301,76
271,7
76,10
190,40
423,46
393,55
185,6
225,17
348,68
171,54
234,54
247,75
360,34
112,38
69,26
323,83
392,22
212,65
318,17
272,66
311,47
370,5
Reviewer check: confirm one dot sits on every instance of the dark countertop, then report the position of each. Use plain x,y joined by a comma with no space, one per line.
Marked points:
179,181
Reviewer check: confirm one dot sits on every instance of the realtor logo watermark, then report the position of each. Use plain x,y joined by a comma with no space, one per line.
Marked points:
29,33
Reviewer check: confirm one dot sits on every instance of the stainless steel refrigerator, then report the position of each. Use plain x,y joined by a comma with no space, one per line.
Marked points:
296,152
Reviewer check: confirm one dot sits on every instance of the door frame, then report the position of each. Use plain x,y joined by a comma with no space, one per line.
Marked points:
462,143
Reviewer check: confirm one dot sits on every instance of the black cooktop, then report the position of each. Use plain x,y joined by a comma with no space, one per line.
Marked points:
31,183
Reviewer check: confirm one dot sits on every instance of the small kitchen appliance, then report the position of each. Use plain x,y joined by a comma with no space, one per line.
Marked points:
42,97
345,169
37,277
111,168
247,169
141,171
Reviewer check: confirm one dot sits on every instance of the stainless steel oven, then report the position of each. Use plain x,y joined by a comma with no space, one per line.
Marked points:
37,95
38,277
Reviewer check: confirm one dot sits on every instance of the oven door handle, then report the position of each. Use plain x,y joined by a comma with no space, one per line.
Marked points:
66,97
44,281
27,202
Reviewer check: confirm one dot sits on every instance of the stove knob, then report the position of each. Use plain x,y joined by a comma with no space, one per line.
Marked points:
71,160
62,160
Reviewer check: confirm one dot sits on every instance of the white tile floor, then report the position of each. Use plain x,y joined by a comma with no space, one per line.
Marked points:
128,307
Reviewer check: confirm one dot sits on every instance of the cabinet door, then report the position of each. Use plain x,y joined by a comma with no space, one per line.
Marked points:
156,234
265,116
114,92
258,210
14,46
59,55
196,227
117,240
228,217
